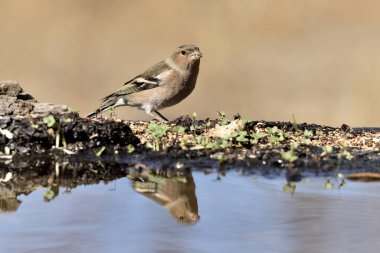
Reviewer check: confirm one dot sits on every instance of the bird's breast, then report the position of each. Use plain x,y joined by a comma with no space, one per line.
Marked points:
178,89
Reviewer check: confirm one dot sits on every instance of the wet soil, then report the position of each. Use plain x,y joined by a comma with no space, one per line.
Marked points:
42,140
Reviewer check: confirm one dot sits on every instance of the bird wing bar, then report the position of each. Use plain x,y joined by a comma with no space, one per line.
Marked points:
135,85
148,80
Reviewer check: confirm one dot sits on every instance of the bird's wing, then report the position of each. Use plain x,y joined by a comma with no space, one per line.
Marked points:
151,78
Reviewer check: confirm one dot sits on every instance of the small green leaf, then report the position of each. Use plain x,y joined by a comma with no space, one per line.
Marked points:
327,149
272,130
224,122
201,140
222,118
157,130
306,141
49,120
308,133
256,137
289,156
318,132
211,145
178,129
224,143
242,136
294,145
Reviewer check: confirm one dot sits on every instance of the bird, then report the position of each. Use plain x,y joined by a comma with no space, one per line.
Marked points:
163,85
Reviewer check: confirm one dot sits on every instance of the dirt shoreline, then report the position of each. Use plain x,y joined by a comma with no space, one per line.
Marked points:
35,139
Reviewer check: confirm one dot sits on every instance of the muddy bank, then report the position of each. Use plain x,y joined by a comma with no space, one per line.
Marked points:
35,138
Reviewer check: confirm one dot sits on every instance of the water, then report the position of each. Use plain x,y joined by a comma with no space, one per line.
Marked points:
235,214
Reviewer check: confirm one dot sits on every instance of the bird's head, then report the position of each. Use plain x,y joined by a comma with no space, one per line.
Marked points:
187,56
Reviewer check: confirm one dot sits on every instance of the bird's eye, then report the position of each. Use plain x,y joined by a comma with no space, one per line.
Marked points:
183,52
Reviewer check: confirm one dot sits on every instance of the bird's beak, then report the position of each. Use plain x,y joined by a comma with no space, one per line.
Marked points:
196,55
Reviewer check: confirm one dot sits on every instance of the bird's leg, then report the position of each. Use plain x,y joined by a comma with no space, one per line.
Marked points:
113,114
158,116
162,117
99,112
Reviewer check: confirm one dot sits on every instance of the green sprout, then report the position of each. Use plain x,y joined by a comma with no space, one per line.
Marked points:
275,135
178,130
308,133
294,123
343,151
319,132
49,120
223,142
201,140
52,123
327,150
212,145
289,156
157,131
256,137
293,145
183,143
241,136
272,130
222,118
306,141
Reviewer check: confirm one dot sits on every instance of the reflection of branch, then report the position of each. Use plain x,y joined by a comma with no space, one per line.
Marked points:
174,192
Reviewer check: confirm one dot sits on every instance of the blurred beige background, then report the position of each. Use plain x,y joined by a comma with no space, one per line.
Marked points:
266,59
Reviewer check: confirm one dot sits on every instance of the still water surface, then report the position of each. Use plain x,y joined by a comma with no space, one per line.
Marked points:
237,214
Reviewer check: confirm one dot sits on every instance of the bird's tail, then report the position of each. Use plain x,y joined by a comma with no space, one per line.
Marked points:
107,106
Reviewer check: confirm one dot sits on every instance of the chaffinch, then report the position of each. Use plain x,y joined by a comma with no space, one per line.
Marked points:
165,84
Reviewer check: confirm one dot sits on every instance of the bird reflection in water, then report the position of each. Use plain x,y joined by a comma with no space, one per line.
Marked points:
173,190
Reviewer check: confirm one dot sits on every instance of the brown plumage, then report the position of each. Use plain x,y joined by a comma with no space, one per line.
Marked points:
165,84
